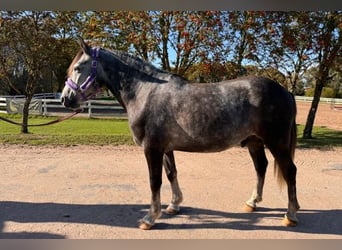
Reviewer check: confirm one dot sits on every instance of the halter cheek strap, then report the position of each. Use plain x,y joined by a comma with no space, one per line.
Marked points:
82,88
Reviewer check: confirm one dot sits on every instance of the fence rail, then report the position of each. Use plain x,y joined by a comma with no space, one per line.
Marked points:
112,108
322,99
92,108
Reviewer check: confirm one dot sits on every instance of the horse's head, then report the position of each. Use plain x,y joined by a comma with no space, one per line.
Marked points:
81,84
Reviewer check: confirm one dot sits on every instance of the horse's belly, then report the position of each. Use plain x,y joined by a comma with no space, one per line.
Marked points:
202,144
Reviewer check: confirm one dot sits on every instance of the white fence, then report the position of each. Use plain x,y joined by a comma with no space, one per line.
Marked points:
322,99
92,108
3,105
335,103
4,100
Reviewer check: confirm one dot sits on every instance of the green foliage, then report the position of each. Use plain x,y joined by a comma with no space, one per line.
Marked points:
327,92
289,42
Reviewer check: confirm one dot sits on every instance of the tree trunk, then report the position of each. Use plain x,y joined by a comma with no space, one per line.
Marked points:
307,134
24,127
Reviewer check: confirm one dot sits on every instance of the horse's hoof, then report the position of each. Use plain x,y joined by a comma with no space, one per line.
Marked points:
145,226
289,223
248,208
171,210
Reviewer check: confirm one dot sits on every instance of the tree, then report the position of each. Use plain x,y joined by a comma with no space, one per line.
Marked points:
209,72
175,39
69,25
328,46
9,66
194,37
287,44
243,36
27,35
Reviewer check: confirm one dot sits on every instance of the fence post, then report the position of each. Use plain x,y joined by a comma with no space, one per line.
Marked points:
89,108
44,107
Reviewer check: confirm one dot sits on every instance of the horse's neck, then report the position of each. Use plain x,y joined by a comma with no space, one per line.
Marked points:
132,79
126,87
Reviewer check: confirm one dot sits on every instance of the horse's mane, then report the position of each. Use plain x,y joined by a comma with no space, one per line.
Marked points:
132,61
137,63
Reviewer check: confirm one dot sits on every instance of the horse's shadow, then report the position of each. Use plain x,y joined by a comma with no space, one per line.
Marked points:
127,215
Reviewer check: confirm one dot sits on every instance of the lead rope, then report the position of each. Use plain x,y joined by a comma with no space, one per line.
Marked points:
43,124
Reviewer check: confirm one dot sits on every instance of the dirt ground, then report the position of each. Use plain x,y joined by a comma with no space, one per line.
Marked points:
102,192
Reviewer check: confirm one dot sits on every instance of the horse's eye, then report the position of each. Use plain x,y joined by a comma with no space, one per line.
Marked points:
77,68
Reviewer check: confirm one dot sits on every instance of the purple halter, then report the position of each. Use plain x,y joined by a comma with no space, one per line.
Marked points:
82,88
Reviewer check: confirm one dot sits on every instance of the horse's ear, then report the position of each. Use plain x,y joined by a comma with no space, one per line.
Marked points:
84,46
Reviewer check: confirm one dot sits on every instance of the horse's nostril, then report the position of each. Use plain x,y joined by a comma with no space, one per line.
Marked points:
65,102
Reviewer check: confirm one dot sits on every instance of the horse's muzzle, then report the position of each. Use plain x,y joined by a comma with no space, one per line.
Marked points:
70,103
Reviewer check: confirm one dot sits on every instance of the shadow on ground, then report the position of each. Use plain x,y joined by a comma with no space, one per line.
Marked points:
325,222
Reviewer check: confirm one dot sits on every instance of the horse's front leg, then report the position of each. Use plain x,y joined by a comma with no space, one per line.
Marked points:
154,160
171,173
257,152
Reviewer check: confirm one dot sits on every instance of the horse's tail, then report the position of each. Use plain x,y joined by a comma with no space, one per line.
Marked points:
292,144
293,133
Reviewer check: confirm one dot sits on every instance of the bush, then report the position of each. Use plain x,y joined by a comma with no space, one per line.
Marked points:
327,92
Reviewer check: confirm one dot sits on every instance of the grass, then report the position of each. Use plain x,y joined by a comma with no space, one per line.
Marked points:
75,131
84,131
323,138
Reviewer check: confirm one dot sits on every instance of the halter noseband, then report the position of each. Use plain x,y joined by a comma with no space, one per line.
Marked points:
82,88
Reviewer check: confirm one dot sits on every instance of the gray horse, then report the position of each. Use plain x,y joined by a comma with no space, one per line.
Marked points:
166,113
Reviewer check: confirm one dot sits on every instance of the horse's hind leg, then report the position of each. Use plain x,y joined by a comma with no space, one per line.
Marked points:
287,171
257,151
171,173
